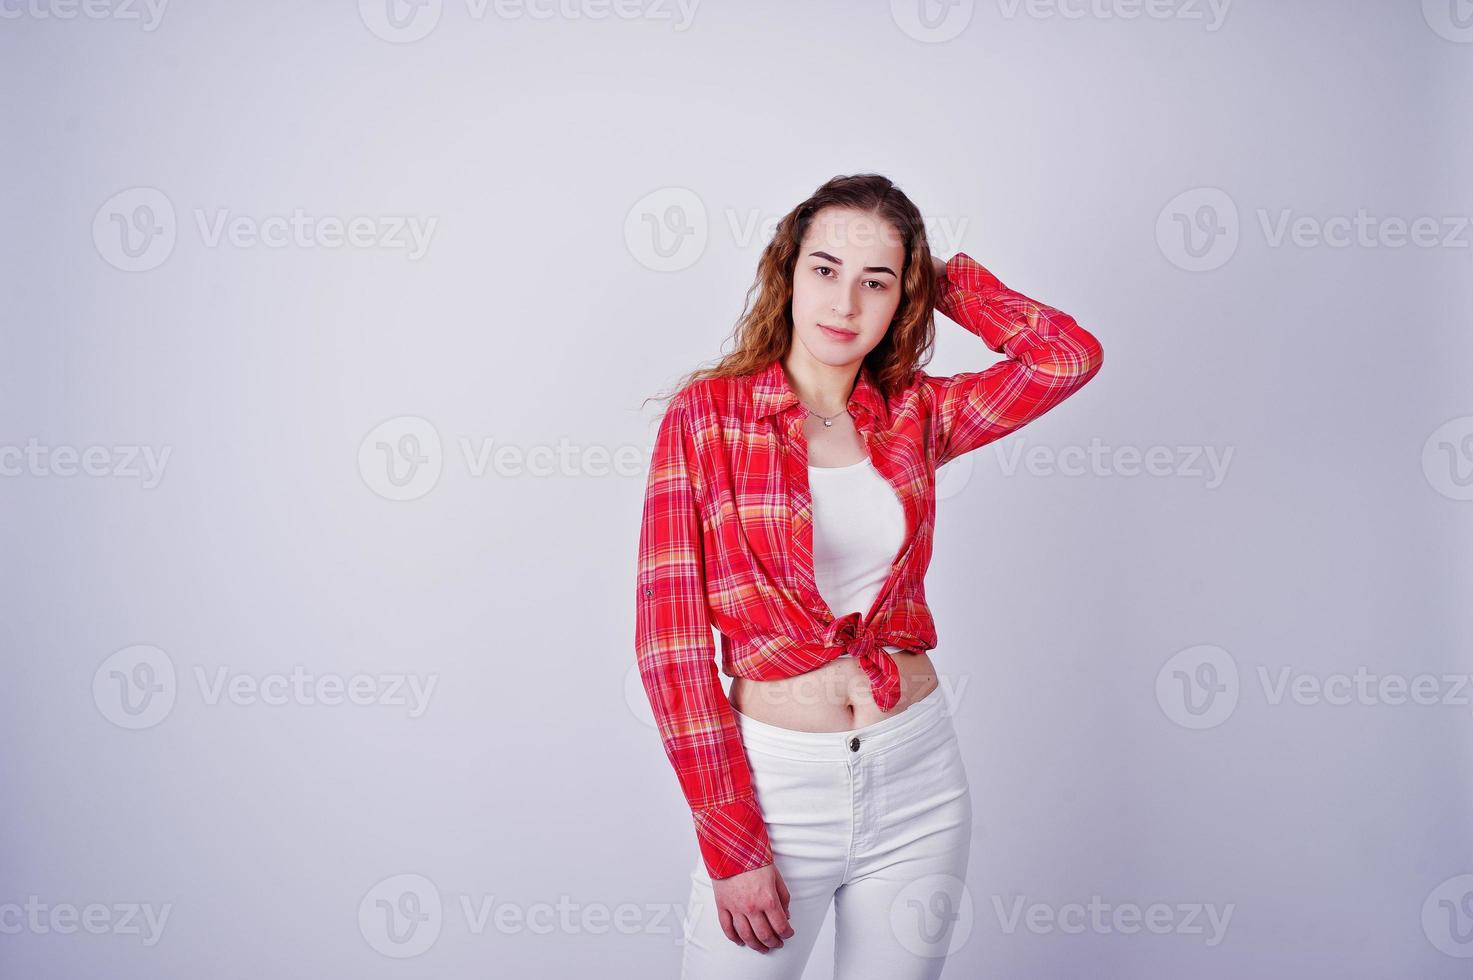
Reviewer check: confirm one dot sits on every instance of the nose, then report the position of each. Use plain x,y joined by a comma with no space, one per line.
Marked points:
843,304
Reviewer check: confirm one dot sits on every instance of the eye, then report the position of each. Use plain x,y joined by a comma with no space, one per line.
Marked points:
876,284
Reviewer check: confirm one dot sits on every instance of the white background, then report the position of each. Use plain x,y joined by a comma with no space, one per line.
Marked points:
1060,145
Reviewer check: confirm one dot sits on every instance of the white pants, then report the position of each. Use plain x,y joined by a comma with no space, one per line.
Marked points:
877,820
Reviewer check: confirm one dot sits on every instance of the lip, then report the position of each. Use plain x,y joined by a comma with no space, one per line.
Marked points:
836,333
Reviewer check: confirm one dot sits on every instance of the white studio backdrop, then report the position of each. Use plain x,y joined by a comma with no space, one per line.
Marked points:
326,333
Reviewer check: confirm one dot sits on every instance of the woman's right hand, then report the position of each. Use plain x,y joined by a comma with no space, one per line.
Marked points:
753,908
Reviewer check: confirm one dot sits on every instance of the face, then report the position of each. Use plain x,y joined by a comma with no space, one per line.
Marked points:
846,285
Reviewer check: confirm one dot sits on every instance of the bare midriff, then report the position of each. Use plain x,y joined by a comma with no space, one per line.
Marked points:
833,698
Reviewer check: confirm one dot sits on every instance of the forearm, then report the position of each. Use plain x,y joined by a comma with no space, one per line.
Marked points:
1049,356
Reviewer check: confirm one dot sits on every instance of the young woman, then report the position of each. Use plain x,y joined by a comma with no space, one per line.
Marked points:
790,504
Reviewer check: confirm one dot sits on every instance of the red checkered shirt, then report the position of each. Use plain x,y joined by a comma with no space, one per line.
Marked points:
726,538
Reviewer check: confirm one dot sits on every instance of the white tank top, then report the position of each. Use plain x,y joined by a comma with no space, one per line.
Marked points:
858,529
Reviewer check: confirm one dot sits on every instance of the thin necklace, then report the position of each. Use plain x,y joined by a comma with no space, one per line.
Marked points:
829,420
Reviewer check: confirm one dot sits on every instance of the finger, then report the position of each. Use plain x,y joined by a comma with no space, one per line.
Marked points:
781,925
763,928
728,928
744,929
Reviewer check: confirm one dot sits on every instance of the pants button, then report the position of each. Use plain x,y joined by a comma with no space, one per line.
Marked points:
854,745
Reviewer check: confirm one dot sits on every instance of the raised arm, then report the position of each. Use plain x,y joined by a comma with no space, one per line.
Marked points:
1049,357
677,660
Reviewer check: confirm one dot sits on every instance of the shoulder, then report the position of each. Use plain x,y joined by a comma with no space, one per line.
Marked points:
713,401
919,389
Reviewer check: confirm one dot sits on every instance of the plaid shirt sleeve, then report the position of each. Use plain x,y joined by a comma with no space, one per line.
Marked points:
676,657
1049,357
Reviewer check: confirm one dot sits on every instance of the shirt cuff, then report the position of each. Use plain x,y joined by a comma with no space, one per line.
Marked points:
964,274
733,837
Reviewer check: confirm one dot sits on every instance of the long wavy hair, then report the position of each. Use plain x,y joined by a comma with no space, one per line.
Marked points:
764,331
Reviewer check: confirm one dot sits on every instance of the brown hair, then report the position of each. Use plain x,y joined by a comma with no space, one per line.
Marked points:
764,332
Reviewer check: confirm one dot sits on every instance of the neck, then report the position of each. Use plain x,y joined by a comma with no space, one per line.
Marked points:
823,388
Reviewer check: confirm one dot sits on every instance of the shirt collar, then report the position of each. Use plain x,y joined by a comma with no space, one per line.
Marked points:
771,392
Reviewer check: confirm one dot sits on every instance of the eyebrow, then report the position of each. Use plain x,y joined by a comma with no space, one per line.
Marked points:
838,261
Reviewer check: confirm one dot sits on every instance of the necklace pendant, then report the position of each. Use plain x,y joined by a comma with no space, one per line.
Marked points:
828,422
